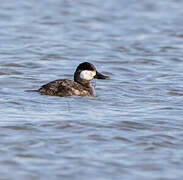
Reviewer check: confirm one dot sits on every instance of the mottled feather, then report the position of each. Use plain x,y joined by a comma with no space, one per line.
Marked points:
64,87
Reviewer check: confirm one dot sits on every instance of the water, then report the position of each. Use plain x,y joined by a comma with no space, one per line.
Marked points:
133,129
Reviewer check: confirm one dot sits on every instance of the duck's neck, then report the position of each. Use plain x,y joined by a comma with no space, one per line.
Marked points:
86,84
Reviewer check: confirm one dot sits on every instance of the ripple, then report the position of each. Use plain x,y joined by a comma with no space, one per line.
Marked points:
175,93
10,72
13,65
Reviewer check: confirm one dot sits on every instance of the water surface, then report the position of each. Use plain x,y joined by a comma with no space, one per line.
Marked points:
133,129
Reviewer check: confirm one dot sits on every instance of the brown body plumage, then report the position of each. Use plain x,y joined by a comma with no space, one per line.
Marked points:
64,87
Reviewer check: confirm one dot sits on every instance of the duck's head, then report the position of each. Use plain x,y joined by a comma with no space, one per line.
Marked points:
86,72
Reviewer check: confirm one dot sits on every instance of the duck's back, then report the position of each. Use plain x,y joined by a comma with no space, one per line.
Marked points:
64,87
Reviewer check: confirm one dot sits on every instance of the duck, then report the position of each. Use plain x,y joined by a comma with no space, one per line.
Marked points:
81,86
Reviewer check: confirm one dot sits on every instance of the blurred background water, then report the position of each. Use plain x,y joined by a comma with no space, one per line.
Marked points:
133,129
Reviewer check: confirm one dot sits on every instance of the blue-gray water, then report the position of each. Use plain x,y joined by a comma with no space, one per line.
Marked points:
133,129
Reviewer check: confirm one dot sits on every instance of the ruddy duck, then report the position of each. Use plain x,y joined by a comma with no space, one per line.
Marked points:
81,85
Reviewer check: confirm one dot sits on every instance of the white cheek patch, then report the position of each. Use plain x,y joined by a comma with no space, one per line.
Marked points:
87,75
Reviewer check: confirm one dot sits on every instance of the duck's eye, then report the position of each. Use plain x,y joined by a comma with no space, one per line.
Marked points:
87,75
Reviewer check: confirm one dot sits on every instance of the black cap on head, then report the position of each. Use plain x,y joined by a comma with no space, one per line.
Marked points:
86,66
